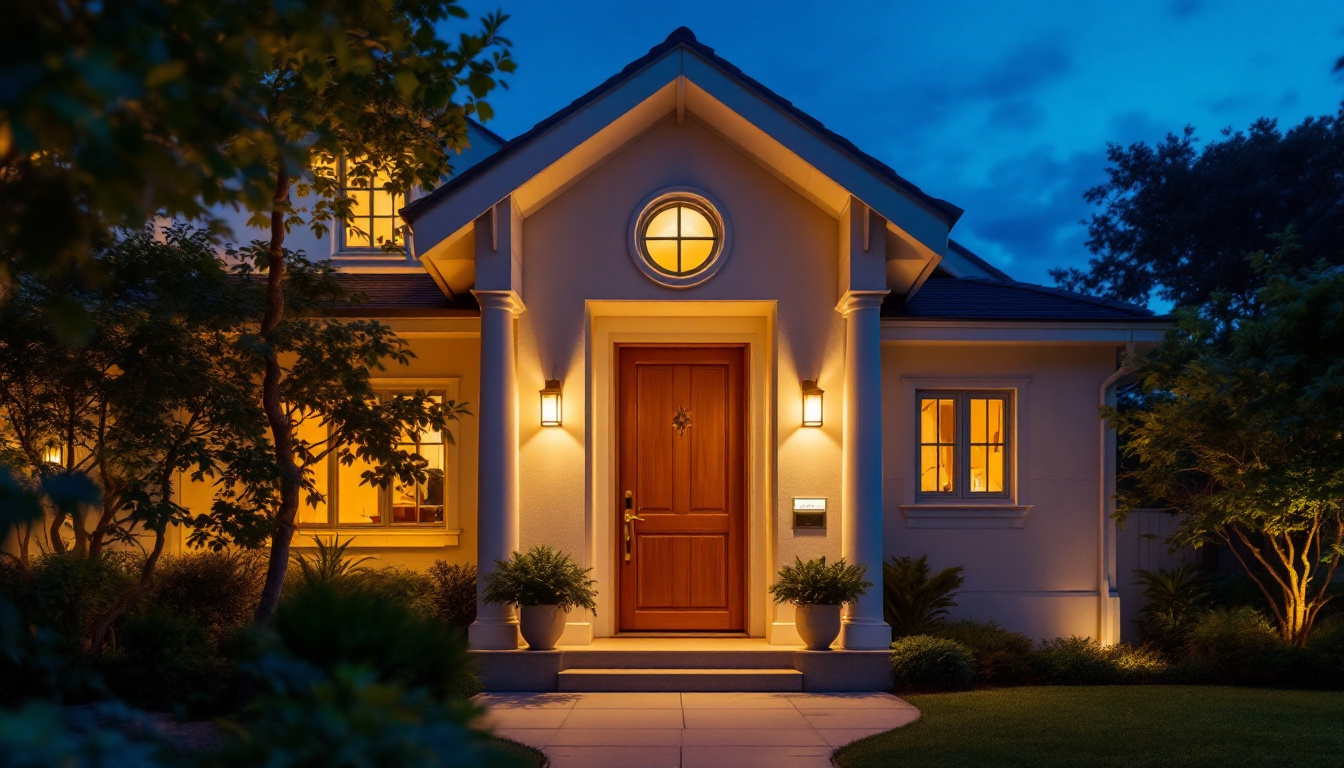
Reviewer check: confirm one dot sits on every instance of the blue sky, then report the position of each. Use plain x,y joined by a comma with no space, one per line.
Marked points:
1003,108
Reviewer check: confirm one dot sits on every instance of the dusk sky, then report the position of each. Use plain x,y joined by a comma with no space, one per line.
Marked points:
1002,108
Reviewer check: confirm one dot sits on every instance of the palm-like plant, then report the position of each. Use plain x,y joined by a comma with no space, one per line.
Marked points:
1175,598
913,601
542,576
816,583
329,564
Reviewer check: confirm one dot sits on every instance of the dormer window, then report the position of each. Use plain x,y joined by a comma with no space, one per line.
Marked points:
376,224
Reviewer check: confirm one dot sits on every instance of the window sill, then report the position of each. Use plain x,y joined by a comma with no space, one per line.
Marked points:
385,538
946,515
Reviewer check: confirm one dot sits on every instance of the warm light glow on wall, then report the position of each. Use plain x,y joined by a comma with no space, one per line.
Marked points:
812,395
551,406
53,454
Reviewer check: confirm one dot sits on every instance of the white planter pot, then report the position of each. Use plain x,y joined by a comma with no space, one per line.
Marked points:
541,625
818,625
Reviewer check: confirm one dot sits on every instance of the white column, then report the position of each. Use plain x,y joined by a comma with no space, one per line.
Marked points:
496,626
861,503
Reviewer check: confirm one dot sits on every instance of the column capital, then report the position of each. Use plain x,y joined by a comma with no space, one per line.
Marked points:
509,300
853,300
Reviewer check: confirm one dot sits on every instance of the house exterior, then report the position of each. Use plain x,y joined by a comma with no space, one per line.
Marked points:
701,336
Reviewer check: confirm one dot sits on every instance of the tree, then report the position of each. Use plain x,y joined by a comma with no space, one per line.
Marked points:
1177,221
390,97
161,389
1238,430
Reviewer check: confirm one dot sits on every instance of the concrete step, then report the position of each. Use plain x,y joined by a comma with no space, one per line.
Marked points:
668,659
625,679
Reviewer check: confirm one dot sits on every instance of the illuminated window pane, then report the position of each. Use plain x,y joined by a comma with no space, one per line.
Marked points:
664,254
947,421
978,430
373,210
694,253
928,468
357,503
995,421
422,502
664,224
695,224
310,433
383,231
979,468
947,461
928,421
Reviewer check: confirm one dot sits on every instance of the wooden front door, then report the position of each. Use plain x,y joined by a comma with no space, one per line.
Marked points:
680,470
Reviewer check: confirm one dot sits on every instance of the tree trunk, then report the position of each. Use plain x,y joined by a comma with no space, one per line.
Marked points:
98,633
282,437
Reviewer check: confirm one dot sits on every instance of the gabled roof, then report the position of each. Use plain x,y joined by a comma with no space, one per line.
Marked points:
959,259
941,210
951,298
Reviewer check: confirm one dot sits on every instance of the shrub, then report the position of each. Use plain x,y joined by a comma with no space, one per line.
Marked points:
166,660
913,601
922,662
816,583
1084,661
454,592
543,576
404,586
329,625
68,592
1174,600
216,590
1239,646
1001,657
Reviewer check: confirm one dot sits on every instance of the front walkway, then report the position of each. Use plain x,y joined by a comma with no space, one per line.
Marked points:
692,730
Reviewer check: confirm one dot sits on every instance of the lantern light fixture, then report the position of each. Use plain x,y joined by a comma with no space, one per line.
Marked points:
812,395
54,454
551,407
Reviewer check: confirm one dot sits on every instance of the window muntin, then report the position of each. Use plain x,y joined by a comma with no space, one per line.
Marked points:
353,502
963,448
375,222
680,237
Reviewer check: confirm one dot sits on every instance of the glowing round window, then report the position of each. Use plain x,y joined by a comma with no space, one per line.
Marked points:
680,238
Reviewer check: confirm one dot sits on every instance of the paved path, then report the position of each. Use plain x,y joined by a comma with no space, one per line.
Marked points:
693,730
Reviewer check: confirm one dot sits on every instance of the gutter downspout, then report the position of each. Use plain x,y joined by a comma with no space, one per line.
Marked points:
1108,597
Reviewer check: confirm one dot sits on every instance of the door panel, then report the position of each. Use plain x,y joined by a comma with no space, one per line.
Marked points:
681,455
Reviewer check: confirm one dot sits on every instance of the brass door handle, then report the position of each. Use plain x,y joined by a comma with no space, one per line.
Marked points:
629,518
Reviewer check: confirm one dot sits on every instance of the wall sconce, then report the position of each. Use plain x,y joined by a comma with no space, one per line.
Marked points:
54,454
811,403
551,413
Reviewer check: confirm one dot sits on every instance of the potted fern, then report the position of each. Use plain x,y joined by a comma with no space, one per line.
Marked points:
818,590
545,584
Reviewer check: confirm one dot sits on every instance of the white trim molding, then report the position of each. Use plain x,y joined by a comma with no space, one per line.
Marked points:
936,515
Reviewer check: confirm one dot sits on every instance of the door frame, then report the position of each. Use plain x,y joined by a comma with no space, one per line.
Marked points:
742,545
612,322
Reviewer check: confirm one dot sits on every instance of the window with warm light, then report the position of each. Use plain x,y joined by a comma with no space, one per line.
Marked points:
352,502
680,238
375,225
963,449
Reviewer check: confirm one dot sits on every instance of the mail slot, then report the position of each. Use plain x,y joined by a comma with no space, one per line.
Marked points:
809,512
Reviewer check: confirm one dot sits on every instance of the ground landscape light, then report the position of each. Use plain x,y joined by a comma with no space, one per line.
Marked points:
812,395
550,404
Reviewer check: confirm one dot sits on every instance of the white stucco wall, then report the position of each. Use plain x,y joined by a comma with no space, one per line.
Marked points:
1040,579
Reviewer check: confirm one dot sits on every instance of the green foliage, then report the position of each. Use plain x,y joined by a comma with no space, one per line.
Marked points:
454,592
68,592
816,583
216,590
542,576
1173,600
328,625
915,602
129,110
1239,646
1178,217
922,662
329,564
1001,657
164,660
1084,661
1237,431
109,735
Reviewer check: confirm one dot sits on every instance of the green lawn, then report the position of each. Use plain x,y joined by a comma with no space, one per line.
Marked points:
1133,727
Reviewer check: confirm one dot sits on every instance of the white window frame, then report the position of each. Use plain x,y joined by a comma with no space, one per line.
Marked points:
961,476
386,533
343,249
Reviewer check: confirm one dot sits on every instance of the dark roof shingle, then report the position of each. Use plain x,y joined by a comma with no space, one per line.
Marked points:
978,299
389,295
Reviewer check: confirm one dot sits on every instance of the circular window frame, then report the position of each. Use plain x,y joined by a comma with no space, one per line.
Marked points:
654,204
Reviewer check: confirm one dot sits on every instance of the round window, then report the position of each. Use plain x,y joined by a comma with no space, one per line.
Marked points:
678,238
